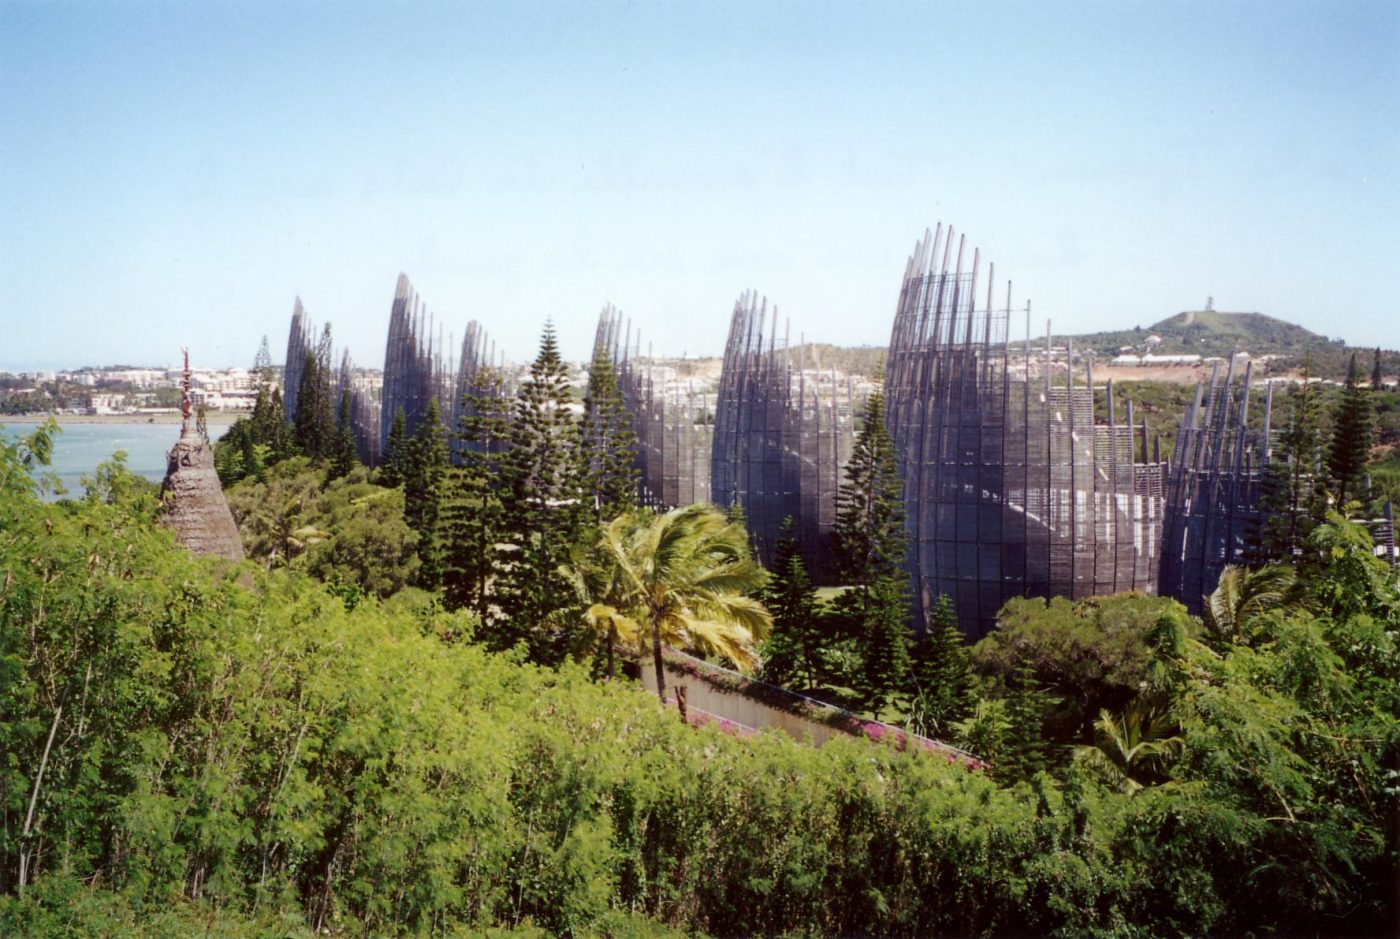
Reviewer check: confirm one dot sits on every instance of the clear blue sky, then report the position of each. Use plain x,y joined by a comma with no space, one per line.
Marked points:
174,174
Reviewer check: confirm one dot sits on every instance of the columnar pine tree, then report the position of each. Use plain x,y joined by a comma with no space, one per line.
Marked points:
871,541
264,437
1377,379
1293,501
609,445
1027,704
941,673
263,382
871,547
793,652
422,492
885,656
275,432
1352,433
344,457
472,515
396,451
314,421
268,424
542,508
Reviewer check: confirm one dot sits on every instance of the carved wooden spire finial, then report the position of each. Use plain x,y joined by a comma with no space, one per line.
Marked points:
185,388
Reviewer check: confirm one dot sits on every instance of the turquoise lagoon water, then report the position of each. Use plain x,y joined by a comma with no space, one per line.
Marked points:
82,446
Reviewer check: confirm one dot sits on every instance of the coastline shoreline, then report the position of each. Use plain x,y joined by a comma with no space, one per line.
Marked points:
218,417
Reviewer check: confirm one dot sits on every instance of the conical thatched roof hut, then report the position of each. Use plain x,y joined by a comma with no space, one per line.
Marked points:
195,508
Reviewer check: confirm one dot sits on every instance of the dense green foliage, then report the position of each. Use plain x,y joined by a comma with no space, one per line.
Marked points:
870,539
348,532
194,737
681,578
1293,492
396,451
1092,654
313,424
940,675
871,547
253,443
542,517
343,457
424,474
472,509
1352,435
609,445
793,654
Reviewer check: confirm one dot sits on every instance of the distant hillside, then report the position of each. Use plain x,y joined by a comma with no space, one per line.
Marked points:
849,360
1211,333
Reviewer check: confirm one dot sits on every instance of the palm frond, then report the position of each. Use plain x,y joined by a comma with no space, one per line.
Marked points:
728,639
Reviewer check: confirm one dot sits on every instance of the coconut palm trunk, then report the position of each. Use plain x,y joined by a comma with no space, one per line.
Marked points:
656,659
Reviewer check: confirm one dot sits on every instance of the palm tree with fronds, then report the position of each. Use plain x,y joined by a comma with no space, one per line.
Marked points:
1243,594
1132,750
682,578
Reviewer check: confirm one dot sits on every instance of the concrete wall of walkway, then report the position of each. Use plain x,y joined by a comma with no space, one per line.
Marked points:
729,696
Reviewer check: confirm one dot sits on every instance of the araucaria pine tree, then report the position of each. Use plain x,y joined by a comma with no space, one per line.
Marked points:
396,452
792,655
255,442
1027,704
1352,433
472,512
941,676
422,492
1294,498
269,426
609,445
885,655
344,456
871,545
314,421
542,507
871,541
1377,379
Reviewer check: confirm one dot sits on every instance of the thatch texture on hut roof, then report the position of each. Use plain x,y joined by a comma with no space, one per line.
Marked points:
195,508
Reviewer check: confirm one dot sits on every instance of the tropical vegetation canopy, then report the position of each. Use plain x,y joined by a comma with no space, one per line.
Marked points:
403,713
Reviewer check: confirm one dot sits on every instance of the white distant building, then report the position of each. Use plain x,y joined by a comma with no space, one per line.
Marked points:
141,378
1171,359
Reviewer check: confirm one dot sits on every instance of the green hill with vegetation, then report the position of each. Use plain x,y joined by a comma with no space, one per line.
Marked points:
867,361
1212,333
1205,333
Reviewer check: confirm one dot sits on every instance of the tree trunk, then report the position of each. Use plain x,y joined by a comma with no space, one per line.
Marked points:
656,656
612,644
25,848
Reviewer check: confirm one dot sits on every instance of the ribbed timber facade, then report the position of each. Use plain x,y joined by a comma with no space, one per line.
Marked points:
364,409
416,369
783,435
1216,477
1011,486
300,344
673,419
